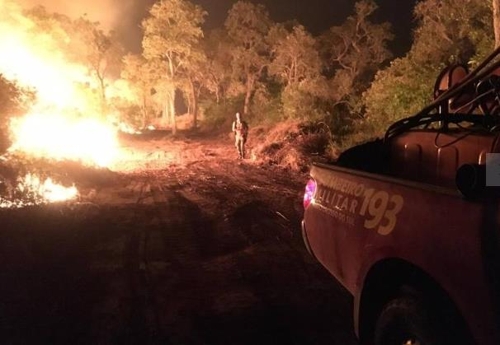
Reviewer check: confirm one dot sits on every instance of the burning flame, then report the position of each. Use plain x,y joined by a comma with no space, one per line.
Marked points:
47,190
34,60
31,191
55,136
63,124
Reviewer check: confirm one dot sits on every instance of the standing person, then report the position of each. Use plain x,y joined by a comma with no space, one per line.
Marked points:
240,130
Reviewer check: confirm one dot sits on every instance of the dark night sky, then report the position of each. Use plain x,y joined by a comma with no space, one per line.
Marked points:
316,15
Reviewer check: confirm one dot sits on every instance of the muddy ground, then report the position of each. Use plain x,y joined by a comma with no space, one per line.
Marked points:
195,247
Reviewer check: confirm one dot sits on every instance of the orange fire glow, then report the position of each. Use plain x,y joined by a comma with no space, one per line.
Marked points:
64,124
47,190
58,137
34,191
64,89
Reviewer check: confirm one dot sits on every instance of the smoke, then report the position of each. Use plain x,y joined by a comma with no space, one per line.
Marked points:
121,16
107,12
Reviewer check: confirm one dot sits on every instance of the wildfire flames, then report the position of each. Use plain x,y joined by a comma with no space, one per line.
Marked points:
55,136
31,190
70,129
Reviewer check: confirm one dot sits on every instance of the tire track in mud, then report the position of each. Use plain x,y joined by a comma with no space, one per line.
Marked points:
169,262
189,257
143,318
202,255
155,257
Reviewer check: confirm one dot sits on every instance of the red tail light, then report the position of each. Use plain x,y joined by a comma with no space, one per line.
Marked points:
309,193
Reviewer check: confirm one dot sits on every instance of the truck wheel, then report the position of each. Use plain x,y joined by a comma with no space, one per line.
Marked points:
408,321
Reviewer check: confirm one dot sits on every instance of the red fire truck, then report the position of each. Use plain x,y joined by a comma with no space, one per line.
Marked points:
410,223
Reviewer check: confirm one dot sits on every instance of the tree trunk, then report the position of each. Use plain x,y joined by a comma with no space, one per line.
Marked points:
188,98
248,95
195,111
165,117
194,102
171,102
102,87
144,111
496,22
171,91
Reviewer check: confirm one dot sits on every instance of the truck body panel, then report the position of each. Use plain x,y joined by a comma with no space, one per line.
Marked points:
358,219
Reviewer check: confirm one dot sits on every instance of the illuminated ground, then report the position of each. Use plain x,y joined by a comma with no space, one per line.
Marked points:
206,250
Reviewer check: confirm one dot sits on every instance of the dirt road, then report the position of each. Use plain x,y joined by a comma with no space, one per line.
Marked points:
203,252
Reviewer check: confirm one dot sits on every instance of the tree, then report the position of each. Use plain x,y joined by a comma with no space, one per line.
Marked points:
217,75
247,26
195,83
452,32
78,43
294,55
192,79
100,52
142,77
398,91
448,32
296,64
354,52
171,31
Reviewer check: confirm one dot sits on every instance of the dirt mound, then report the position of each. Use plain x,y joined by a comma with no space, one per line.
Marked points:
294,145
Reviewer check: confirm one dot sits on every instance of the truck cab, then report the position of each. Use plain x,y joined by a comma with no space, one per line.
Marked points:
409,223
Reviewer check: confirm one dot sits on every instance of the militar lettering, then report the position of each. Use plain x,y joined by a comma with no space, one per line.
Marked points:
345,199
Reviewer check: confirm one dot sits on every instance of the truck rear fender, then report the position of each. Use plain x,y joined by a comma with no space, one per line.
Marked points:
385,280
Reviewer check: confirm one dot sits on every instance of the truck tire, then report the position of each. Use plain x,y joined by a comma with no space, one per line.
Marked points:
408,320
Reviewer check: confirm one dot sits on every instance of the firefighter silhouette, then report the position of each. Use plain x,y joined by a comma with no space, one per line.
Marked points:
240,130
